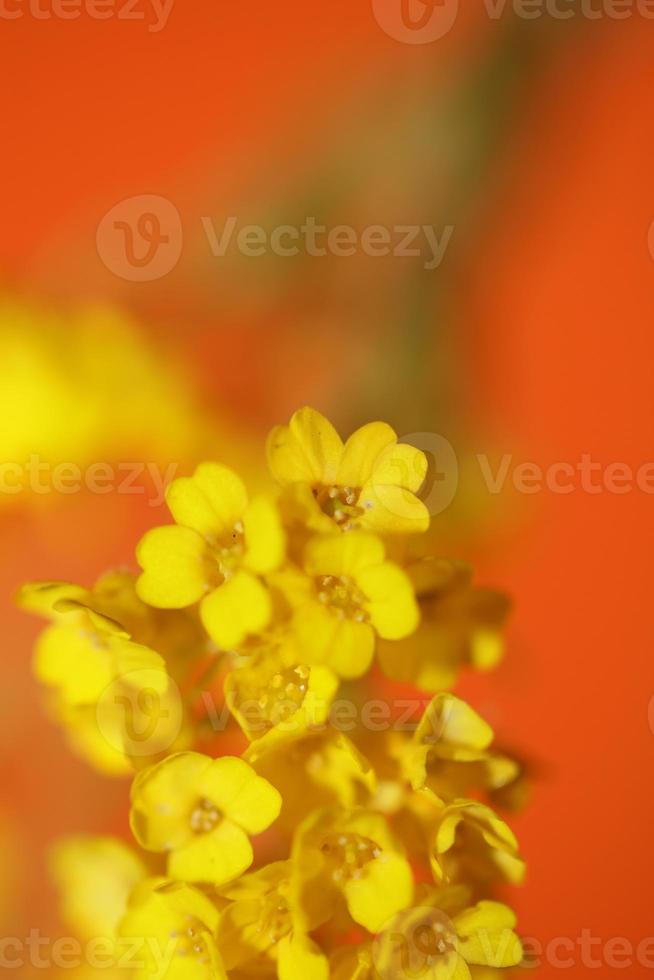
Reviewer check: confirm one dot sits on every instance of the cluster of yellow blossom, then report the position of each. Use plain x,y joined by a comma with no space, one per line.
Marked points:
381,849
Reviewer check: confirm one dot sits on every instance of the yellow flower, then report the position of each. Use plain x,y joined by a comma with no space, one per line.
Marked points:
312,770
94,876
274,693
424,941
353,855
470,843
173,926
86,649
350,596
261,922
460,625
202,811
216,553
368,482
449,752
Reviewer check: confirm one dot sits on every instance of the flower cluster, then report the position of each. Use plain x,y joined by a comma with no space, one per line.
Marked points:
288,844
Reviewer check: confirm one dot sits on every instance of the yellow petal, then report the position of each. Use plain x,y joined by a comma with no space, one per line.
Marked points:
308,450
385,887
163,797
342,554
298,958
388,509
174,563
454,727
67,658
353,649
487,937
391,604
243,797
211,501
41,597
400,465
264,537
216,857
237,608
345,645
362,452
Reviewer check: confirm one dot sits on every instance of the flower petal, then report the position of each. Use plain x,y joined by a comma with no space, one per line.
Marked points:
240,606
216,857
308,450
264,537
486,935
342,554
388,509
211,501
400,466
245,798
297,957
163,797
391,604
362,452
175,572
386,887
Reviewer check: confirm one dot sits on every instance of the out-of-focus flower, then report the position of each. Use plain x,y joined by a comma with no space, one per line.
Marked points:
87,647
261,923
216,552
173,925
447,947
353,855
201,812
370,481
449,751
94,876
460,625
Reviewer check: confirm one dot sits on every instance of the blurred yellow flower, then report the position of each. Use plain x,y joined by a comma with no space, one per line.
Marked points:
86,648
368,482
173,927
94,876
460,625
261,921
353,855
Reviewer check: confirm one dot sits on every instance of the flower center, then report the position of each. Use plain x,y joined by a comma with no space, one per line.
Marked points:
435,936
191,940
204,817
348,854
275,920
285,694
340,503
342,596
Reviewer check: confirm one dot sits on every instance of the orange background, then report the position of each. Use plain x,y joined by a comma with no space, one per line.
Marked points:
554,352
